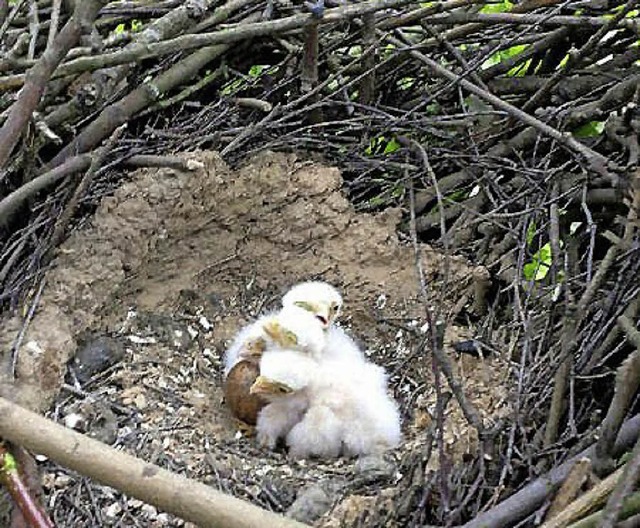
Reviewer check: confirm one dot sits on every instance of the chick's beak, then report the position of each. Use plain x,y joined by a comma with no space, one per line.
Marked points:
279,334
323,314
261,385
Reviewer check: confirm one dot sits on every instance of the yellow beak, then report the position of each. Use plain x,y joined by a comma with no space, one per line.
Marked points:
260,386
264,386
283,337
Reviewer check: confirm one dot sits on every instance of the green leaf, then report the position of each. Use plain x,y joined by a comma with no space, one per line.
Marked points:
381,145
120,28
433,108
590,129
520,70
136,25
389,51
355,51
257,69
498,7
540,264
457,196
504,54
406,83
392,146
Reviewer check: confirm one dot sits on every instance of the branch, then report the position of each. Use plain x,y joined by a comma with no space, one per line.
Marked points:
532,496
137,52
190,500
13,201
10,477
624,487
144,95
586,503
36,79
596,161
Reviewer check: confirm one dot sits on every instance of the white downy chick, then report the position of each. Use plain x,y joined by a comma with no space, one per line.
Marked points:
284,378
317,297
291,328
325,303
349,411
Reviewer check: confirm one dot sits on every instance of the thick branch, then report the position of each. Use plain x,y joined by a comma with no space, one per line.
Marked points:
184,497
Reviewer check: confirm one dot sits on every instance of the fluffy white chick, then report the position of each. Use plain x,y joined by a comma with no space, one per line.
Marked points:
317,297
324,302
291,328
349,411
283,380
324,408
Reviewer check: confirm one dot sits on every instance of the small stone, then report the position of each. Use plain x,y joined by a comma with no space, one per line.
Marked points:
140,401
96,355
375,467
149,511
75,421
113,510
313,502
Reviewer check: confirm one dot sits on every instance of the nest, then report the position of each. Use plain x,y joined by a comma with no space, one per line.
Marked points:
482,223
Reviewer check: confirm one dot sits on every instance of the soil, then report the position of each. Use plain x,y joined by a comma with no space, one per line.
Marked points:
156,284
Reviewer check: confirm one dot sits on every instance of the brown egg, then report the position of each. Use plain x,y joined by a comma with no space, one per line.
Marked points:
243,405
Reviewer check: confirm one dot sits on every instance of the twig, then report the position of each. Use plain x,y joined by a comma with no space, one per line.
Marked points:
468,409
309,69
10,477
190,500
53,27
524,19
15,346
627,383
368,82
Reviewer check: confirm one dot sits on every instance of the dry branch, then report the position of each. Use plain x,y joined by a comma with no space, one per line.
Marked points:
586,503
597,162
136,52
570,487
630,506
37,78
625,485
16,199
190,500
528,499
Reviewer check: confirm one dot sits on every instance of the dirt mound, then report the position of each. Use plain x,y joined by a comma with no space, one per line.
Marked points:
170,267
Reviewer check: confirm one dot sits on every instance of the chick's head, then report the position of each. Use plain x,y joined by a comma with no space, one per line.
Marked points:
319,298
296,329
282,373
